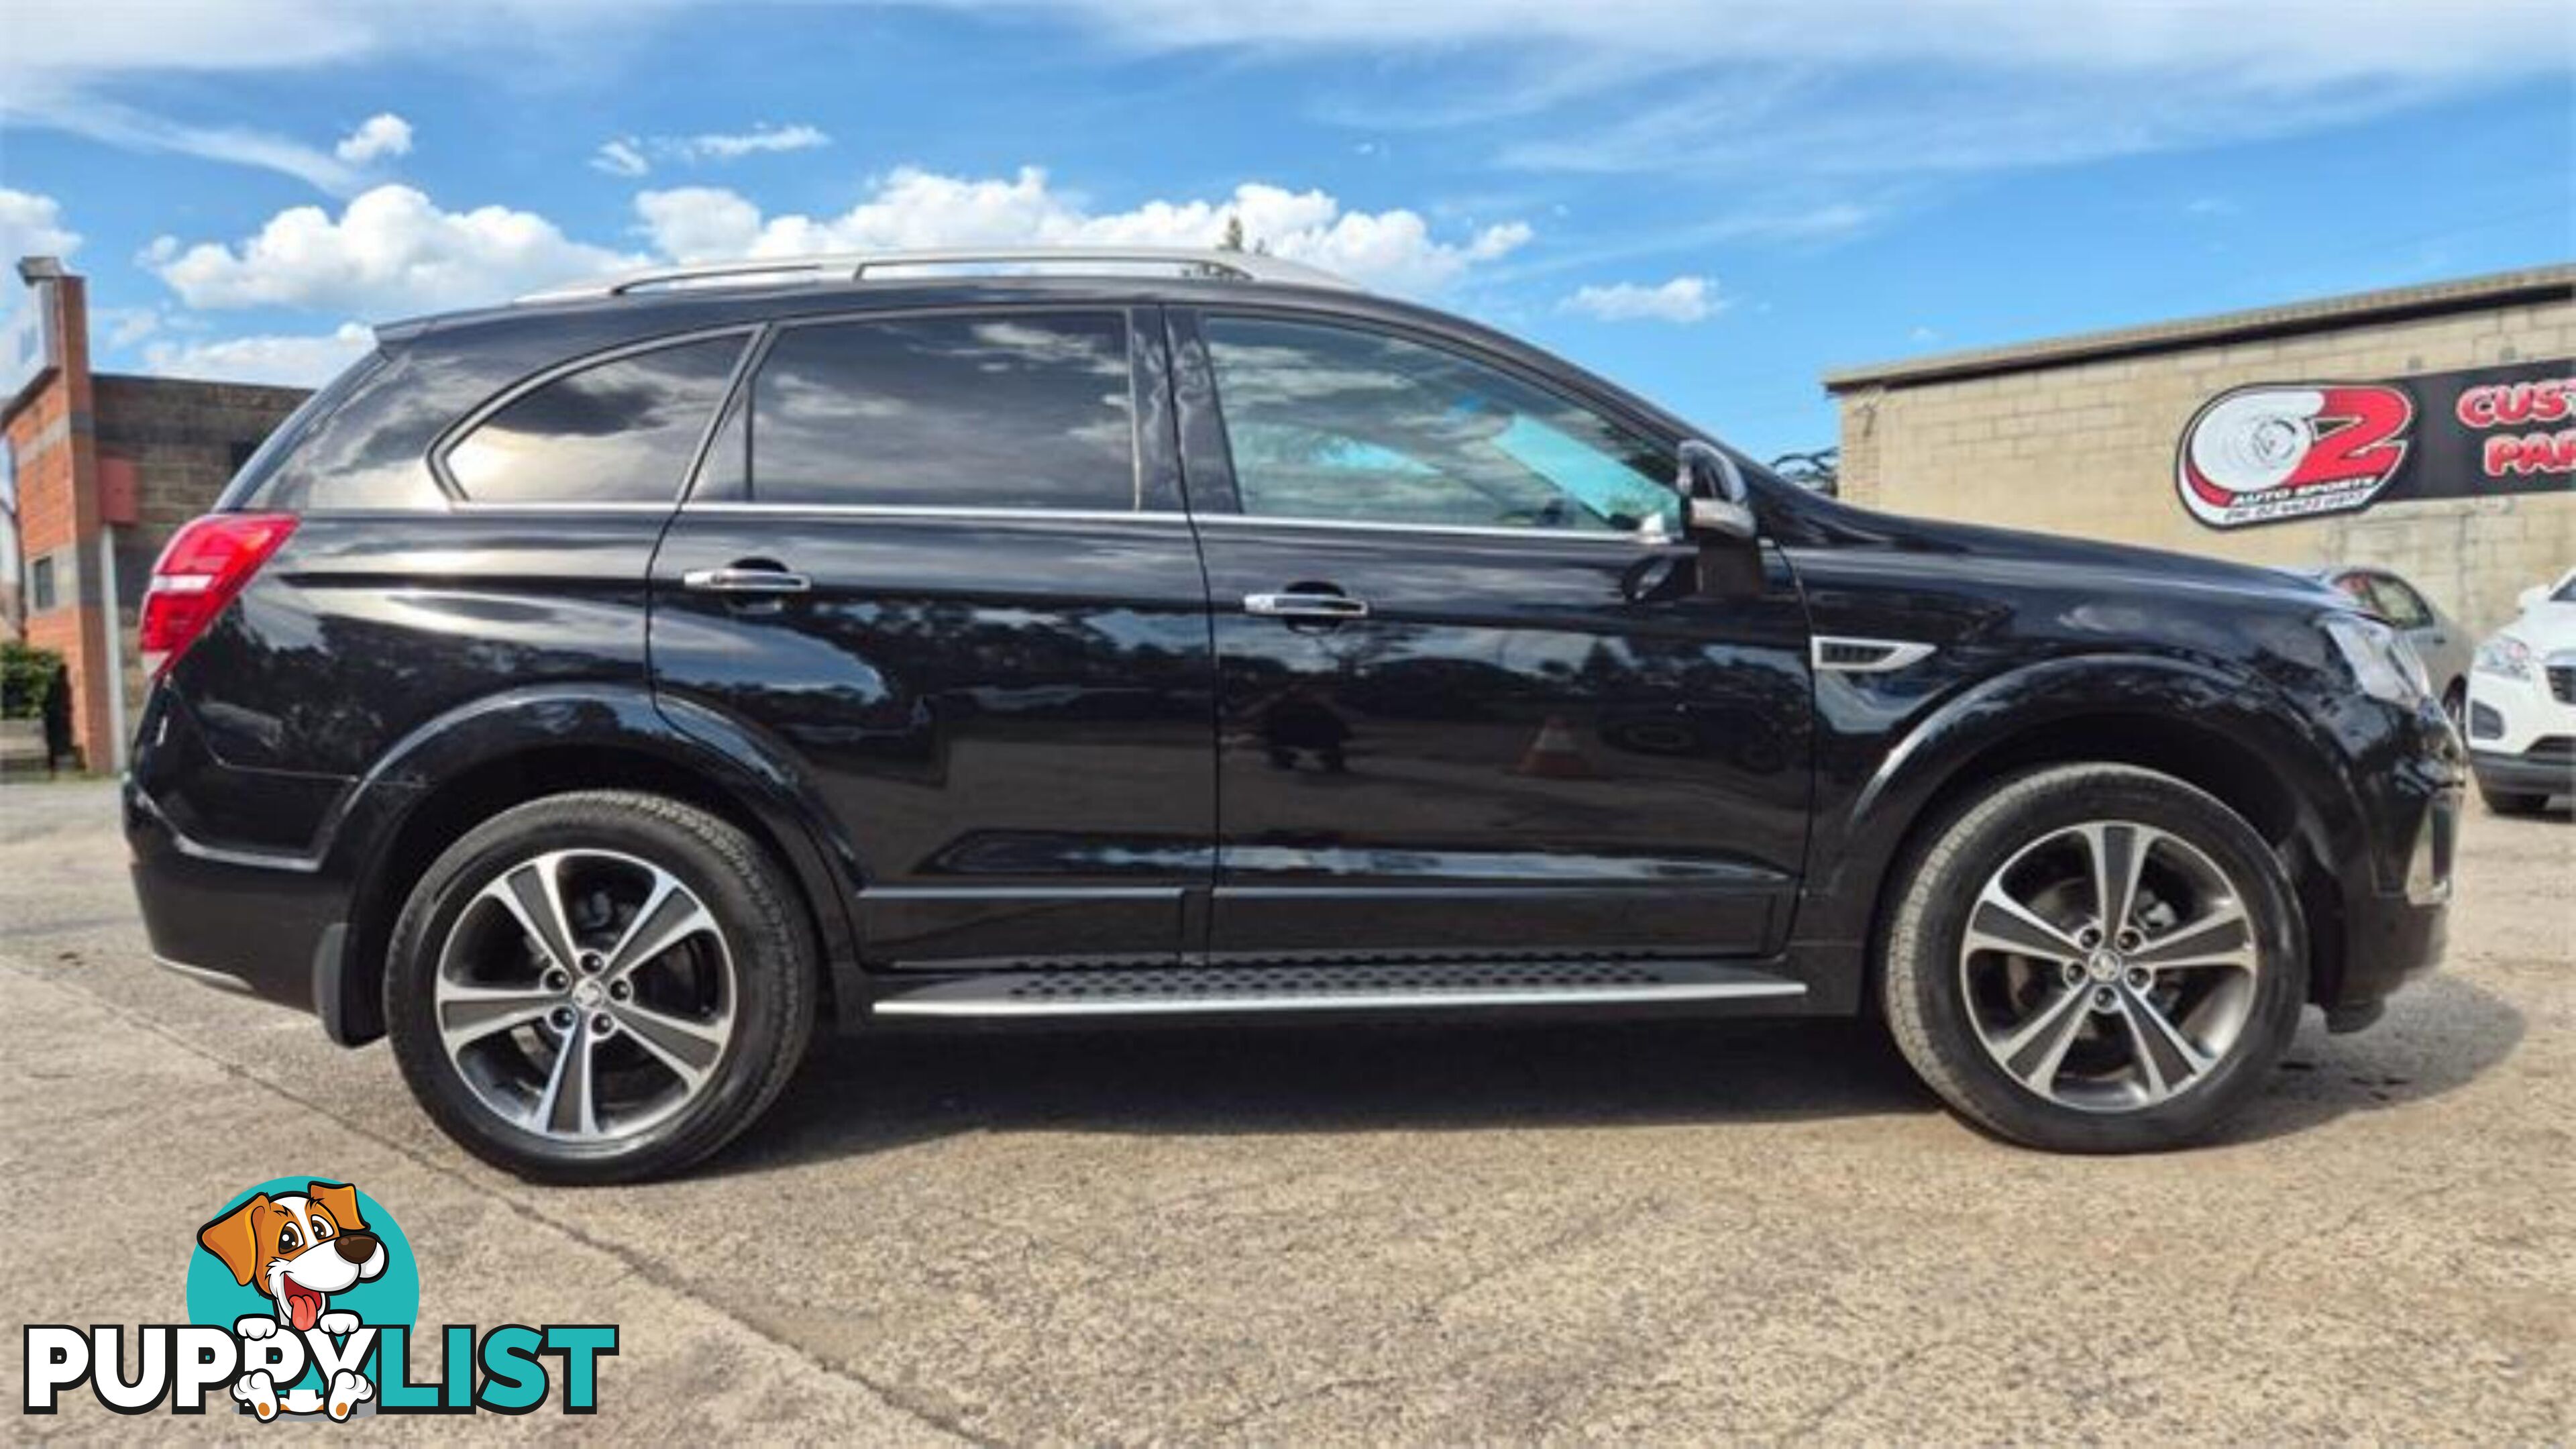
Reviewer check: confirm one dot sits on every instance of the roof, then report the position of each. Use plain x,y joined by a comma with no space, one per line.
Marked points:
2359,309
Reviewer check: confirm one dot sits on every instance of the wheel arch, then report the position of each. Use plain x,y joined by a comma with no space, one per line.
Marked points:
2222,733
460,770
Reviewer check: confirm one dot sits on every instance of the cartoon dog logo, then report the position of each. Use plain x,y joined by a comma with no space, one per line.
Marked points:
299,1249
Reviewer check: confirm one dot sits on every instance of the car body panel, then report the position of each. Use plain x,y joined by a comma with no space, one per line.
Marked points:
900,736
1536,742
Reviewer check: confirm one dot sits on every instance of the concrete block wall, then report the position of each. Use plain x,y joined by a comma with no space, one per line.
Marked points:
182,439
2088,449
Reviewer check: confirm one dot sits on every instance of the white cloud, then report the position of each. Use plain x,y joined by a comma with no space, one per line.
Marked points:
620,156
291,361
1683,299
1394,249
1848,86
2288,41
634,155
721,146
127,325
31,225
381,135
390,251
120,125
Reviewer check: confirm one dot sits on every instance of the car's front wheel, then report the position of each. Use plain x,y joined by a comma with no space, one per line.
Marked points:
2094,958
599,986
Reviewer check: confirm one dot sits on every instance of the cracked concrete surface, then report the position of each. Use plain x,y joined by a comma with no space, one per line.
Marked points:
1650,1231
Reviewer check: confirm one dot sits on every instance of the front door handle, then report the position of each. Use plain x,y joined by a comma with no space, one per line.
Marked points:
1305,606
743,579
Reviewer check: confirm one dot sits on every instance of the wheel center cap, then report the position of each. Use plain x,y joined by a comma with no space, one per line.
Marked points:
587,993
2103,966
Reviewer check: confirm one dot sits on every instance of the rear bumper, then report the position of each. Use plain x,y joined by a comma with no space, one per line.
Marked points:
229,918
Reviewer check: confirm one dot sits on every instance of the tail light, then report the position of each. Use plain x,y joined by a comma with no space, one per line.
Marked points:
206,563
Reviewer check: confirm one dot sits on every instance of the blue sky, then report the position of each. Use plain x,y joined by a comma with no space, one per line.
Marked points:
1713,202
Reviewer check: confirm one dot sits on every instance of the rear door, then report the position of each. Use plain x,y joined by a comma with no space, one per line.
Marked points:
940,559
1473,694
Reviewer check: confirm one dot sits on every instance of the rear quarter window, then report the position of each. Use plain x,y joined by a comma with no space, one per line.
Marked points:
623,430
363,442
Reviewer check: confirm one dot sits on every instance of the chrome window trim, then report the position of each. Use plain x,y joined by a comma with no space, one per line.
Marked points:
1637,540
940,511
468,505
1225,520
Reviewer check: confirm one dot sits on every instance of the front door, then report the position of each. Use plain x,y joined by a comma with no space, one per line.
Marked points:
1473,694
941,559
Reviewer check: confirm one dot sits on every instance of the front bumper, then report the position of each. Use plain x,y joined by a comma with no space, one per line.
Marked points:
2511,715
2395,891
2548,768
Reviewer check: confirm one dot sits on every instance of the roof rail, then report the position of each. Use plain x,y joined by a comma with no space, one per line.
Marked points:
856,266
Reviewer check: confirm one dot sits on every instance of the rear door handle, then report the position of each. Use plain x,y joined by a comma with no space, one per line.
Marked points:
1305,606
741,580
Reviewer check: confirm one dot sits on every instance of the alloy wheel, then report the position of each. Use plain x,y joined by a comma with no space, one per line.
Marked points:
2109,966
585,995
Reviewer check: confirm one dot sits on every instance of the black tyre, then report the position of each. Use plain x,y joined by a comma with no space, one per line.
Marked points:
599,986
2508,802
2093,958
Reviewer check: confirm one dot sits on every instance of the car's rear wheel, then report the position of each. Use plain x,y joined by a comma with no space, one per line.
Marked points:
2094,958
599,986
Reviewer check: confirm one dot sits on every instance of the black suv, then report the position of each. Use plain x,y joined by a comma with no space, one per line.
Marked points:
594,692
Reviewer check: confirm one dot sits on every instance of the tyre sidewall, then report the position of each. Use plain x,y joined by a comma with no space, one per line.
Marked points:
771,961
2043,805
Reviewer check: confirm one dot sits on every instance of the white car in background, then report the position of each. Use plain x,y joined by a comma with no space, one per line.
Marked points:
2522,704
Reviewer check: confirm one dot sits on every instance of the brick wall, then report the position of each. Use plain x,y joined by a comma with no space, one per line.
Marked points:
2088,449
58,517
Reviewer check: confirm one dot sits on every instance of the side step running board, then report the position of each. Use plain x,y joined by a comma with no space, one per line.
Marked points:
1432,986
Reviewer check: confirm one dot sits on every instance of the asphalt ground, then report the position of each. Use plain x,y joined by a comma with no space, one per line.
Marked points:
1417,1234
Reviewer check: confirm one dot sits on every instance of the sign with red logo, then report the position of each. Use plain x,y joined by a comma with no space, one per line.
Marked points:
2275,452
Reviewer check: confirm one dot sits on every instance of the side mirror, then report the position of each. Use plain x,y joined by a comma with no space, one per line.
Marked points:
2531,598
1716,501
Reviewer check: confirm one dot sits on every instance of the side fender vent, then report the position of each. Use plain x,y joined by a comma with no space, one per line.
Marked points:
1841,655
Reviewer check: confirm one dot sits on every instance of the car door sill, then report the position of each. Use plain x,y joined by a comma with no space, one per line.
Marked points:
1411,987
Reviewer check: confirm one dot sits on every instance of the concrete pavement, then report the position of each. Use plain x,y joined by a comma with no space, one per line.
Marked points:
1415,1234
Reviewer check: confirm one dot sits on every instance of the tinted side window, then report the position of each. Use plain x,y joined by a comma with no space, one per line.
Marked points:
622,431
1000,411
1337,423
255,478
